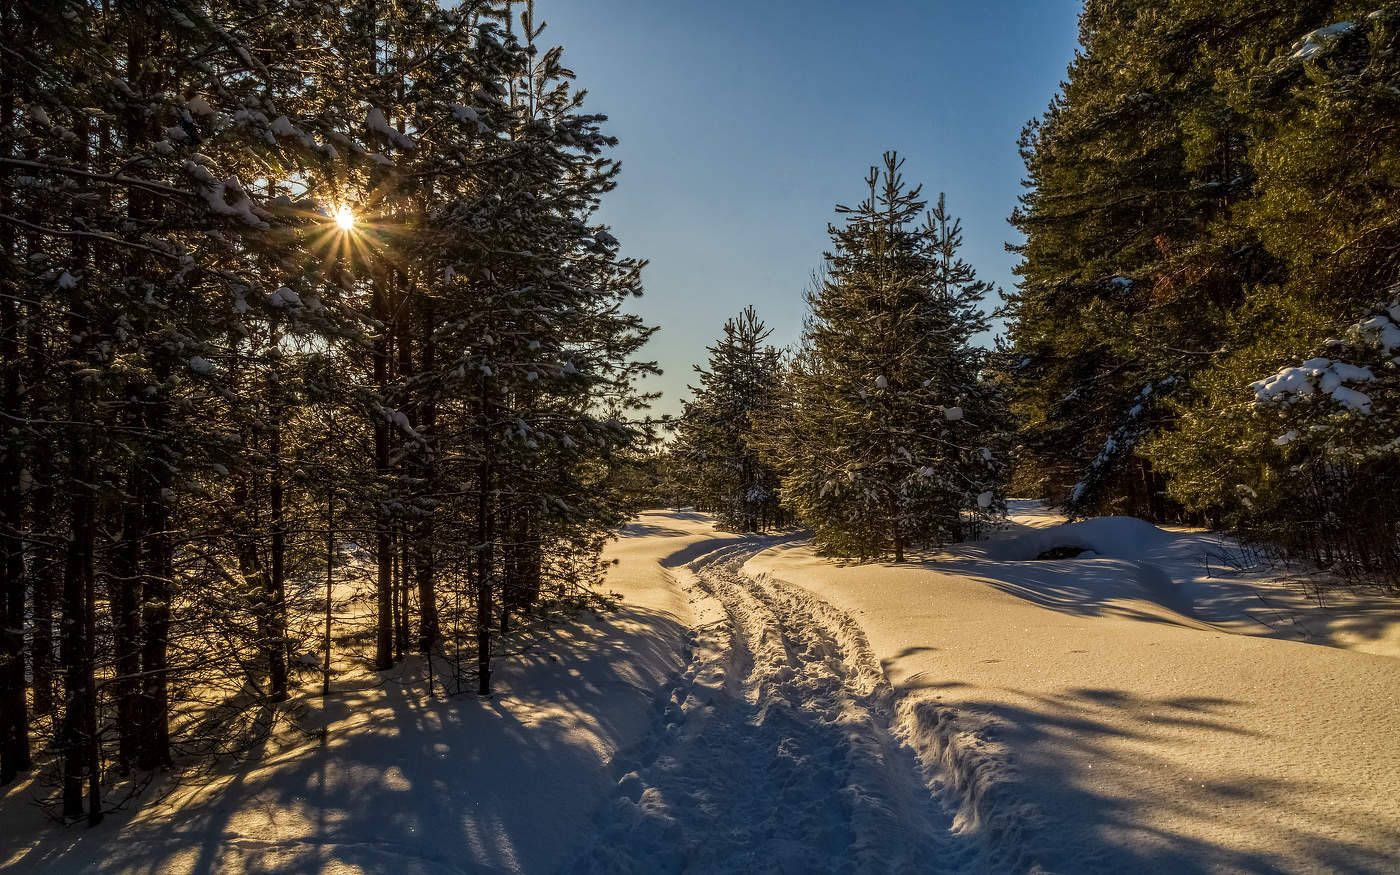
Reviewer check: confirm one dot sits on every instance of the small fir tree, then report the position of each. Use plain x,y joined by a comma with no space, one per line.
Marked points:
886,434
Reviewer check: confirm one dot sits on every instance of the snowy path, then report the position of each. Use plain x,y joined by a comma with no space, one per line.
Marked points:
753,707
774,751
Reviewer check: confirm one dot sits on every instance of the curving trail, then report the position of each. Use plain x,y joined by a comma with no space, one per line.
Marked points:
775,750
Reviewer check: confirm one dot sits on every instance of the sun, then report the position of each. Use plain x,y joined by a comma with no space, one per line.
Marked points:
345,218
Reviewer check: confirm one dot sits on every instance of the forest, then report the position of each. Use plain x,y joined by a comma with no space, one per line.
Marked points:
1204,329
261,309
302,295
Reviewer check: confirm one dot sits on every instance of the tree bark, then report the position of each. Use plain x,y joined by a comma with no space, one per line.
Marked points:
157,580
384,547
428,629
77,669
486,535
14,716
124,593
275,593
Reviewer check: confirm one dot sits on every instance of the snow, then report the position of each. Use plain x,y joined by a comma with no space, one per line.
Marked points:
407,784
752,707
773,751
470,114
283,297
376,122
1382,331
1319,39
283,127
1316,375
1142,710
952,414
1330,377
201,365
213,191
881,382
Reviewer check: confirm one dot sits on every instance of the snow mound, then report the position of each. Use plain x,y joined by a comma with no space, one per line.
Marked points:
1114,537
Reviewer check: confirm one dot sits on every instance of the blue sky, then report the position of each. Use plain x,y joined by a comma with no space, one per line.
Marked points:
743,124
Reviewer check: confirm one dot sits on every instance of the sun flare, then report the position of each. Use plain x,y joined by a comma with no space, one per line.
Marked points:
344,218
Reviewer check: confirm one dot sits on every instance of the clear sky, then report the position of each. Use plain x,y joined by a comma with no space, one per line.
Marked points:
744,122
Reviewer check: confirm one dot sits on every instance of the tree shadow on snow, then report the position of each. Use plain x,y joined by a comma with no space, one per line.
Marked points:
408,784
1208,816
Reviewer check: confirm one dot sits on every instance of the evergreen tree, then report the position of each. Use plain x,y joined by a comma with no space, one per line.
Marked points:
886,434
207,378
714,439
1318,101
1131,259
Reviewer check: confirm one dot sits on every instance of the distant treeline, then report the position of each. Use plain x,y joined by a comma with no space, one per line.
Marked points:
280,282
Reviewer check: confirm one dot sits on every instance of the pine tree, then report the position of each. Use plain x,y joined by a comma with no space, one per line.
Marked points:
1318,102
714,436
1132,258
887,435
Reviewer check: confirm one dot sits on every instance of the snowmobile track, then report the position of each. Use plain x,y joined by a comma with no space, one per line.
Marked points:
774,751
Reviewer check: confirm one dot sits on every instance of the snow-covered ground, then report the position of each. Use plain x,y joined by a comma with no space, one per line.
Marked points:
755,708
406,784
1136,712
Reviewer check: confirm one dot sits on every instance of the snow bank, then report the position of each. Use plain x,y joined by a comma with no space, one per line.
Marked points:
1107,714
1117,537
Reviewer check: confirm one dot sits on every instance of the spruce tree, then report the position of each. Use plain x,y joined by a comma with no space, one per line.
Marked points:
887,436
714,441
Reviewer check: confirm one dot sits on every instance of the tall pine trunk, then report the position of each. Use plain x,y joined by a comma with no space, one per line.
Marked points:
44,574
75,739
157,579
78,741
275,595
123,592
423,562
486,534
14,716
384,545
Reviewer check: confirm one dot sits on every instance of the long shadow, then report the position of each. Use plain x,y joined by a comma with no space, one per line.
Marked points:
644,530
408,784
1082,587
1185,820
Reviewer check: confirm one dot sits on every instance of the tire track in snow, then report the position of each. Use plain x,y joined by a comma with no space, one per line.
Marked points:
774,751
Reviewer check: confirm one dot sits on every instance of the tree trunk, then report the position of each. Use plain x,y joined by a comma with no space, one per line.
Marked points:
384,547
77,744
275,594
486,535
77,669
896,532
157,580
14,717
124,594
405,576
428,630
44,572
